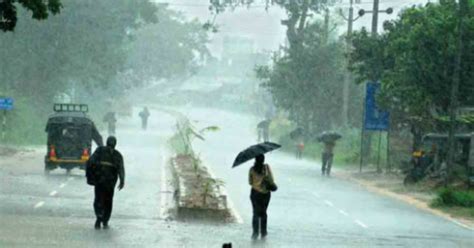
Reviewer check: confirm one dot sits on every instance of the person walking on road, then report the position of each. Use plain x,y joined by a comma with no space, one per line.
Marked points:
260,195
263,130
108,168
144,114
327,157
111,122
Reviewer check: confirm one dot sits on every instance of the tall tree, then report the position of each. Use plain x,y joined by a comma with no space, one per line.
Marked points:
308,84
86,45
416,63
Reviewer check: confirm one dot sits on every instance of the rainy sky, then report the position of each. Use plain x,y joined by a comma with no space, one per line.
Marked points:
263,26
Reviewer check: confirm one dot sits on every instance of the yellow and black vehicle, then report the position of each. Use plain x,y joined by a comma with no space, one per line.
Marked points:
70,133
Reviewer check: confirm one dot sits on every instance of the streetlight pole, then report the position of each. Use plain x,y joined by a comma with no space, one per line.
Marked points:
375,17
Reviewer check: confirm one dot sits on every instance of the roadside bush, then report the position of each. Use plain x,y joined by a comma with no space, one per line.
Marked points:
450,197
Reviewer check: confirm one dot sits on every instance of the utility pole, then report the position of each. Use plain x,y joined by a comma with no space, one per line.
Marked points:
375,17
463,9
348,75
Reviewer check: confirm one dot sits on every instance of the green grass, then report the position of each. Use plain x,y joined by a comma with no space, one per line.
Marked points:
450,197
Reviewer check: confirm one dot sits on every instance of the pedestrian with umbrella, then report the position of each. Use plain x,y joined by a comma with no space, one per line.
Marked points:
262,184
329,140
263,129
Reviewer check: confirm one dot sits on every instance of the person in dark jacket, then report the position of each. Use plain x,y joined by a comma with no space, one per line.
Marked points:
111,121
110,168
259,195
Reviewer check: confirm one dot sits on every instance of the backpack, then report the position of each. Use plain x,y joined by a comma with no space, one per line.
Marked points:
92,168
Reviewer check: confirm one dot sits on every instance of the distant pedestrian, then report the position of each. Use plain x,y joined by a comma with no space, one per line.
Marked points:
144,114
263,129
327,157
299,150
111,121
104,168
260,177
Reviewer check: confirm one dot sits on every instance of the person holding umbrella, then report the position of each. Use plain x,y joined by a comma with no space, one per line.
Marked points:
329,140
262,183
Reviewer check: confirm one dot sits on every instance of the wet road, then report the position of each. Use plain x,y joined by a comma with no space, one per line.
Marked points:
310,209
307,211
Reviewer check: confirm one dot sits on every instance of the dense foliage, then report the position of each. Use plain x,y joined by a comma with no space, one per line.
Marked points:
94,49
308,83
40,10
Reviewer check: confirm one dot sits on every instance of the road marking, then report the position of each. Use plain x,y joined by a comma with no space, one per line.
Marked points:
62,185
329,203
316,195
343,212
39,204
462,225
70,178
360,223
53,193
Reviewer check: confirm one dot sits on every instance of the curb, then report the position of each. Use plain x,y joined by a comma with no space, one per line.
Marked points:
407,199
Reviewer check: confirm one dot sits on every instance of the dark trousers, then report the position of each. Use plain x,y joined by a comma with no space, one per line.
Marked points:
327,163
103,202
259,204
144,124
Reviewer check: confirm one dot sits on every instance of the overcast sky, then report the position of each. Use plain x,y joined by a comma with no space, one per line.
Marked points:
264,26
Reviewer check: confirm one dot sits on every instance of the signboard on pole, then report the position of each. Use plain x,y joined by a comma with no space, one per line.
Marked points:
6,103
374,119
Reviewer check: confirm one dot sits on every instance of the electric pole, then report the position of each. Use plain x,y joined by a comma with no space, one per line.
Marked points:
463,9
348,75
375,17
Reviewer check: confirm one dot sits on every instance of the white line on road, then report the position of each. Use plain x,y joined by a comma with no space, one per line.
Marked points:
53,193
329,203
360,223
462,225
316,195
39,204
343,212
62,185
70,178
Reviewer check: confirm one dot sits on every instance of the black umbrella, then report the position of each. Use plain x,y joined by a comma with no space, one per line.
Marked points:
254,151
297,133
329,136
264,124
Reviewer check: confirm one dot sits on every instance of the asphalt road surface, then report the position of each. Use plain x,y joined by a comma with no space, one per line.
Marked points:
307,210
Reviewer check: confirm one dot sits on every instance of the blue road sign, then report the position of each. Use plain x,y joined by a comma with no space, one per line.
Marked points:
375,119
6,103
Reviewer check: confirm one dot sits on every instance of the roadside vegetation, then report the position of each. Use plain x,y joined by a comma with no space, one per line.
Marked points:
456,201
201,191
91,52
